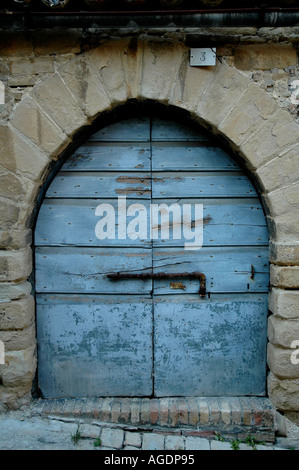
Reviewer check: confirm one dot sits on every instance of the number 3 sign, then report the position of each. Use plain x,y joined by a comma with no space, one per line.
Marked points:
203,57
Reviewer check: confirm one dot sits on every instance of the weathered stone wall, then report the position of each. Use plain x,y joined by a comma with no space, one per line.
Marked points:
58,83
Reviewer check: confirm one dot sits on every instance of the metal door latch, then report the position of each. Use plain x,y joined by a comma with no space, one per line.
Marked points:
144,276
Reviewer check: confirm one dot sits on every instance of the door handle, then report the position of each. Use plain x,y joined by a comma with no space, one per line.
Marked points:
144,276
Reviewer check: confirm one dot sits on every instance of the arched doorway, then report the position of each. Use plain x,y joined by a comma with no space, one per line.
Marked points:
151,335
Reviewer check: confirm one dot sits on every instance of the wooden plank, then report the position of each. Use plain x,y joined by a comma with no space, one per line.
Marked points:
94,346
205,184
95,184
127,130
212,347
225,222
167,130
105,157
187,157
227,269
84,270
64,222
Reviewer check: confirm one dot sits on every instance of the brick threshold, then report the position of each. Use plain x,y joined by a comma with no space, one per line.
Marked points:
235,417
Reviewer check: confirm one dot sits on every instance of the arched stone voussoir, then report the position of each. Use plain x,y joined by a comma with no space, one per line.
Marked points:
56,100
81,79
34,124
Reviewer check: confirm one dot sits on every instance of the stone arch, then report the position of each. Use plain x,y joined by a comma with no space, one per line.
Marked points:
49,120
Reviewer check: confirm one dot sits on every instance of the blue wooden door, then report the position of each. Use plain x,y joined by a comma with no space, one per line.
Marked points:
149,336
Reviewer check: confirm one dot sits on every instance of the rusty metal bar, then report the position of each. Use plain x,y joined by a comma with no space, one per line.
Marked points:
144,276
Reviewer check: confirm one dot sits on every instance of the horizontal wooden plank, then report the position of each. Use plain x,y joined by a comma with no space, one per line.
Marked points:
84,270
180,184
220,346
68,269
205,184
167,130
102,157
225,222
63,222
90,346
95,184
185,157
127,130
227,269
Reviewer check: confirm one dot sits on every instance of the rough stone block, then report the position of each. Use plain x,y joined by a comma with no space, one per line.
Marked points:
35,125
280,171
282,332
19,339
132,439
284,253
15,239
29,159
20,155
7,150
279,361
14,290
264,56
249,113
15,265
56,100
153,441
161,63
107,63
197,443
22,80
283,200
285,227
11,186
131,52
284,276
174,443
32,66
190,84
219,445
235,84
284,303
284,394
19,368
17,314
9,215
81,80
275,137
89,431
112,438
